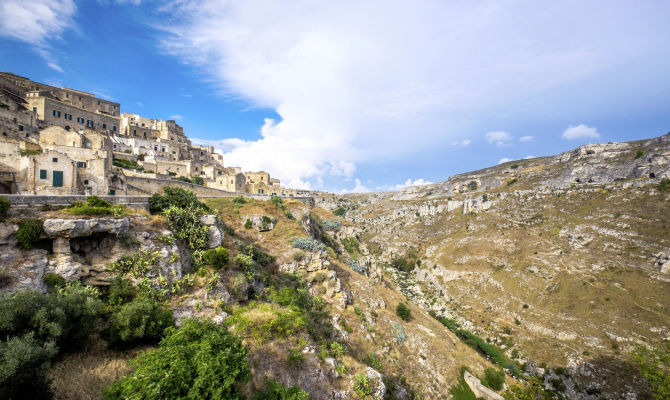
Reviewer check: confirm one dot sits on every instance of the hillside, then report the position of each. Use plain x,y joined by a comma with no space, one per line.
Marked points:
562,261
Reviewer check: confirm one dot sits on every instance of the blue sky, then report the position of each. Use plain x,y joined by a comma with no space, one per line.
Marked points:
355,96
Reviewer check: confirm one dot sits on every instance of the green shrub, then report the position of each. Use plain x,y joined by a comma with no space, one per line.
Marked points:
140,321
173,196
126,164
461,390
248,224
53,281
639,154
654,365
121,291
403,312
493,378
239,200
664,185
351,245
216,258
274,390
95,201
340,211
197,180
200,360
127,240
64,317
295,357
298,255
187,227
308,244
373,361
403,264
24,362
4,207
362,386
514,166
29,232
289,215
472,185
278,202
533,389
330,225
512,181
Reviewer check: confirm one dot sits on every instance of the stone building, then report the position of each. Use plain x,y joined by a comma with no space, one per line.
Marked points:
16,122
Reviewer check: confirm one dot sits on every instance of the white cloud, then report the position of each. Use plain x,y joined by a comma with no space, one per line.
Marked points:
580,131
463,142
352,95
37,23
500,138
359,188
528,157
526,138
504,160
139,104
176,117
406,184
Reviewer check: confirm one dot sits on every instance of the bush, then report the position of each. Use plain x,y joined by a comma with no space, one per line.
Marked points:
362,386
200,360
512,181
95,201
274,390
373,361
472,185
403,264
639,154
308,244
330,225
197,180
178,197
351,245
216,258
239,200
664,185
187,227
298,255
121,291
127,240
65,317
277,201
24,363
53,281
140,321
493,378
340,211
654,365
123,163
29,232
4,207
248,224
403,312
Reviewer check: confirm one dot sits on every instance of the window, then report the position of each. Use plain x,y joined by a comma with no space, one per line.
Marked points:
81,164
155,148
20,128
56,113
85,181
68,117
34,109
104,126
201,153
67,95
114,146
80,120
196,168
114,128
220,172
89,123
163,149
54,159
112,192
134,132
43,174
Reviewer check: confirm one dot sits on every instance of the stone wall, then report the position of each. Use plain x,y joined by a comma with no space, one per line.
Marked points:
478,389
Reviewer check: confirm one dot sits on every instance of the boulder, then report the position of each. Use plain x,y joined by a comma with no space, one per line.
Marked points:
262,223
84,227
215,237
7,234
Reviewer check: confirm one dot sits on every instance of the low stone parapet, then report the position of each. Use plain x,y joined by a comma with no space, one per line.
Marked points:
478,389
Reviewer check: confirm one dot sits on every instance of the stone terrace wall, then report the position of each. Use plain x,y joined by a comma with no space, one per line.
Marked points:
17,200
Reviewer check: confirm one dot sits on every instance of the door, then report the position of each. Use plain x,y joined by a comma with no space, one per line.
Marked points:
58,179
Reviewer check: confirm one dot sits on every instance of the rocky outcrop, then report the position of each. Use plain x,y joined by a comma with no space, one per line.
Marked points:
69,228
215,228
261,223
663,262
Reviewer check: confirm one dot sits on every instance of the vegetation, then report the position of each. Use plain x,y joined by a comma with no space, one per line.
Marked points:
308,244
461,390
29,232
278,202
216,258
187,228
664,185
140,321
274,390
493,378
351,245
121,291
177,197
497,355
96,206
330,225
53,281
362,386
126,164
35,327
403,312
533,389
28,152
340,211
639,154
200,360
403,264
248,224
654,365
512,181
472,185
373,361
4,207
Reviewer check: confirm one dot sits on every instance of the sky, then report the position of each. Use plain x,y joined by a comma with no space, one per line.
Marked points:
354,96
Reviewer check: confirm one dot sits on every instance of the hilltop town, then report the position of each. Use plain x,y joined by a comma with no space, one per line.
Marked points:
61,141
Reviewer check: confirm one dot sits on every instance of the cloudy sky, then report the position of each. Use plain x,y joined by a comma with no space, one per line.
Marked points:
361,95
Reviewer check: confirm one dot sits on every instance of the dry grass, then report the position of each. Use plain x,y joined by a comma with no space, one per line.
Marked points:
84,374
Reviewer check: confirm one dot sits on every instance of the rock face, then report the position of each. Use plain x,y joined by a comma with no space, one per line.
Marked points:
663,262
70,228
261,223
215,230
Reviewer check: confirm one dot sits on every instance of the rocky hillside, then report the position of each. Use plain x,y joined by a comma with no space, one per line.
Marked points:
562,261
